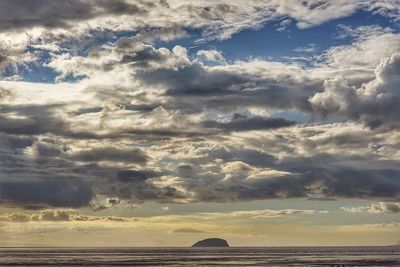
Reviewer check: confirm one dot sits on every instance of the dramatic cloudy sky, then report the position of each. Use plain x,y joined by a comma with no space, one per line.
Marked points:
157,123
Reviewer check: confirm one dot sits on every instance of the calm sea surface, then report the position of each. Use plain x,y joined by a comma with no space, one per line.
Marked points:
289,256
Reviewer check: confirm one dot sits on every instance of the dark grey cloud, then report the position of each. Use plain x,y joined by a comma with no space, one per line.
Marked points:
165,133
193,86
249,156
56,192
31,125
141,57
128,155
344,183
15,142
46,119
248,124
43,181
319,175
37,124
194,80
45,150
41,119
141,191
82,111
43,13
186,170
48,177
32,120
18,14
363,184
128,176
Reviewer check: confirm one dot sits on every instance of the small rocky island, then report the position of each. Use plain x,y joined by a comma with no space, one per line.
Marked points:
211,243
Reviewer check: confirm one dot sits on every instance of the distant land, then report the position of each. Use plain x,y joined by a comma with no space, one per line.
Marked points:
211,242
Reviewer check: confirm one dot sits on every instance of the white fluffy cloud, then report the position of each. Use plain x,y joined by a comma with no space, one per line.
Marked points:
47,26
274,213
374,103
375,208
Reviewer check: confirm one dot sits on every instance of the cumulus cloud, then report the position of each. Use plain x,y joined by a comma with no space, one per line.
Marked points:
375,208
210,55
385,207
374,103
356,62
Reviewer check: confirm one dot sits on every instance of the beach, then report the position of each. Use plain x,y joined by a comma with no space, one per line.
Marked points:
234,256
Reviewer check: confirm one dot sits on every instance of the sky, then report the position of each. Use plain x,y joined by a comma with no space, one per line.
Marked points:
160,123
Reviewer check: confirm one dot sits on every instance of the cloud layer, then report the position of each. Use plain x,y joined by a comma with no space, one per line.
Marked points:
131,114
59,215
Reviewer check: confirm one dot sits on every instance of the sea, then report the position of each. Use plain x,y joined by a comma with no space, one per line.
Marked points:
234,256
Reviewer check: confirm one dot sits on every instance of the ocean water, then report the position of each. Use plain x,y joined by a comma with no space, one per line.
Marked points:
236,256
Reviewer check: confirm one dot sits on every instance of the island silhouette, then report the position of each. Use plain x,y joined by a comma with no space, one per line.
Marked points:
211,242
